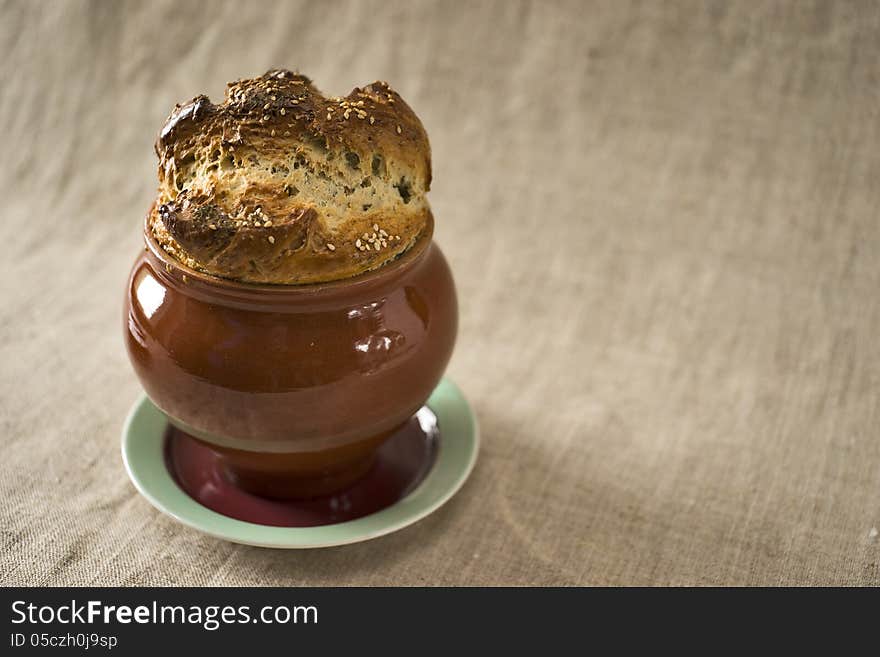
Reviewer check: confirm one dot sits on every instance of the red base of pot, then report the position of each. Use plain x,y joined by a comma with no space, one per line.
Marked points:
400,464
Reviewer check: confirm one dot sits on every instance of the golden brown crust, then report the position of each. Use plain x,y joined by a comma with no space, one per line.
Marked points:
279,184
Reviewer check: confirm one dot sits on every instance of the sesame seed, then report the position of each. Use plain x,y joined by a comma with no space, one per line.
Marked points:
273,97
212,226
267,223
376,246
375,227
283,111
399,130
346,114
372,120
358,244
272,134
331,247
329,117
287,133
267,106
271,240
265,117
383,233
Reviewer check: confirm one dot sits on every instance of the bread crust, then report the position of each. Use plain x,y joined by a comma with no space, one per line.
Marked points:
280,184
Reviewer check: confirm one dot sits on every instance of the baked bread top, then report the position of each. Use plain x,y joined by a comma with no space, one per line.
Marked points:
280,184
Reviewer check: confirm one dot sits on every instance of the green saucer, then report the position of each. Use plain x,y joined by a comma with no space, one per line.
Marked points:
143,451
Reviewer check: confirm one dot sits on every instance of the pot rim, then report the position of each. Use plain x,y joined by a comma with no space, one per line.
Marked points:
179,274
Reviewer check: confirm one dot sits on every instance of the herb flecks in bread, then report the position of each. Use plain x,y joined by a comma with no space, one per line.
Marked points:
280,184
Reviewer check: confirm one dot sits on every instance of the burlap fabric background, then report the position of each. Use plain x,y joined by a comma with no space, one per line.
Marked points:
663,222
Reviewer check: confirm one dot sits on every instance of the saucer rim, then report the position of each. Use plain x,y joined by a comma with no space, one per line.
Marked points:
143,437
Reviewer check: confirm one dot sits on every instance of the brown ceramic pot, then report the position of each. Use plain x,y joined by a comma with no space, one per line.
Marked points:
295,386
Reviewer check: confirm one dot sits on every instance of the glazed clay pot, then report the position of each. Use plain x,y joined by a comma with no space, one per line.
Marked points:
294,386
